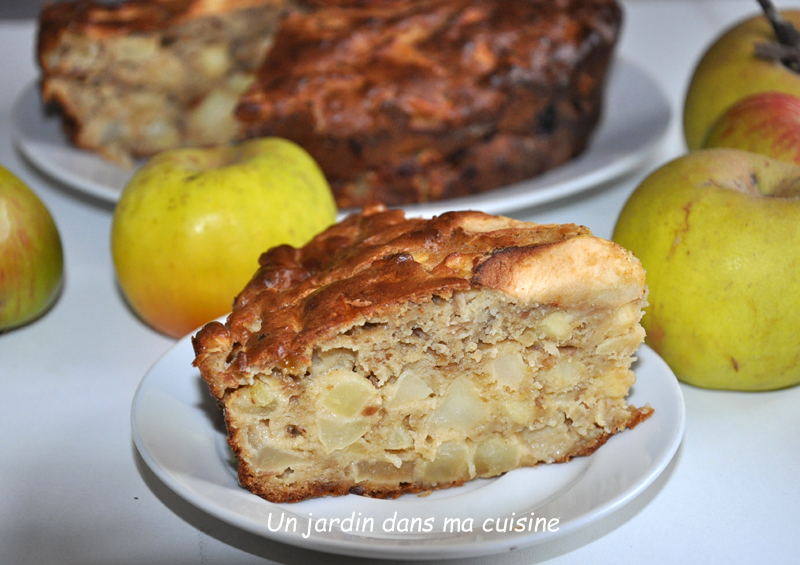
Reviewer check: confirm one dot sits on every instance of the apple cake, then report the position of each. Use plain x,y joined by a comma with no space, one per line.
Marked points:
137,77
394,355
410,101
400,101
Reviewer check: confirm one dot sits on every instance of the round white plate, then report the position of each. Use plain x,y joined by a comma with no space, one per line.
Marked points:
636,117
178,430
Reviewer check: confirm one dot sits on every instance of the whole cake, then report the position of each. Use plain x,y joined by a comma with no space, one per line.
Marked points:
400,101
408,101
137,77
395,355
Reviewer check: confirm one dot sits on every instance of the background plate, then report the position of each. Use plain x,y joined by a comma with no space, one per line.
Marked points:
178,430
636,117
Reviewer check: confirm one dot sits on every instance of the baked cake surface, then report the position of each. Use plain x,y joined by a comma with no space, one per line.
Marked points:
399,101
395,355
419,100
140,76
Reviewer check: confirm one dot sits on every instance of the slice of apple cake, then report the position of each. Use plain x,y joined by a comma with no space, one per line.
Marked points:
395,355
140,76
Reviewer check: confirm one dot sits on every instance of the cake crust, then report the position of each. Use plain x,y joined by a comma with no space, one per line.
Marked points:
379,260
415,101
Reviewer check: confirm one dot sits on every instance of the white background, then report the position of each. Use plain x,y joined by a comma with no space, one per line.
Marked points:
73,489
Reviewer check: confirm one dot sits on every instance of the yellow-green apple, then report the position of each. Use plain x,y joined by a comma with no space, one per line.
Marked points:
718,232
767,123
731,69
191,224
31,257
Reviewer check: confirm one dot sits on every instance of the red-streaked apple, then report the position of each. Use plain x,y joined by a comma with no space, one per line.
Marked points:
731,70
718,232
31,257
191,224
767,123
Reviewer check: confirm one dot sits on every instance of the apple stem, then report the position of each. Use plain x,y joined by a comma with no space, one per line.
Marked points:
787,50
786,33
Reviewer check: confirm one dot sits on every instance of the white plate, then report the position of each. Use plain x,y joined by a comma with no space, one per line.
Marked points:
178,430
636,118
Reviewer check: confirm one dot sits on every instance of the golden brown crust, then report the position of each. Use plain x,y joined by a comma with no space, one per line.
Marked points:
378,260
588,270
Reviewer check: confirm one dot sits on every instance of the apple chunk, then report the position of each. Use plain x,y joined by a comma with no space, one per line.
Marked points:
717,232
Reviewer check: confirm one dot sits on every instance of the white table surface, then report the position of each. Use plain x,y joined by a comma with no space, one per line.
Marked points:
73,489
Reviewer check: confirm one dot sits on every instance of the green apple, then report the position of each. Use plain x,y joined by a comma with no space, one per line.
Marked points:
31,257
730,70
767,123
191,224
718,232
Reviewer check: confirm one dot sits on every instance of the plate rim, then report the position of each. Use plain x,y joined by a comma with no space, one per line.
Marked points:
542,189
377,547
